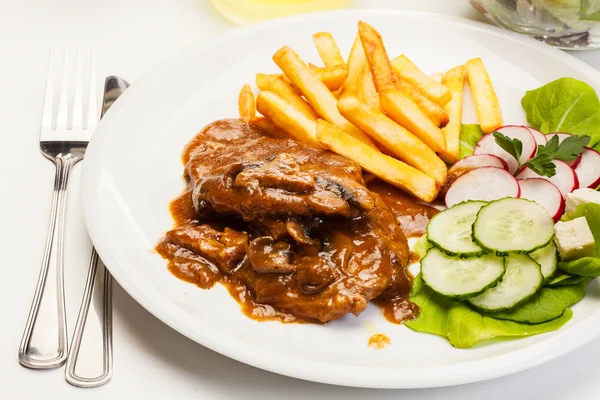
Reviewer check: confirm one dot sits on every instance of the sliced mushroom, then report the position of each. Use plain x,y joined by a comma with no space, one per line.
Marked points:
314,274
268,256
353,192
300,233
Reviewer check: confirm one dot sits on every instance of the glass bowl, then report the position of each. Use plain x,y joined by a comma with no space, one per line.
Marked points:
567,24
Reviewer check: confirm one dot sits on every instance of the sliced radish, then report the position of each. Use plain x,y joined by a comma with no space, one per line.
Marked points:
481,160
485,183
565,179
588,170
539,137
562,136
545,193
488,145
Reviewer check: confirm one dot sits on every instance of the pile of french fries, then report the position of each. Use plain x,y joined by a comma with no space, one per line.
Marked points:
398,123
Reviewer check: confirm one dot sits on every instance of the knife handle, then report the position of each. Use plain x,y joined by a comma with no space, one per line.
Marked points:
100,325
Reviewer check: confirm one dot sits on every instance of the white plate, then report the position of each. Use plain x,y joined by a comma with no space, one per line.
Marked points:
133,170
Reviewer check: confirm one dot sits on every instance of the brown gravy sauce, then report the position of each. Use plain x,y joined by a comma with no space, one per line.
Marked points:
412,216
192,268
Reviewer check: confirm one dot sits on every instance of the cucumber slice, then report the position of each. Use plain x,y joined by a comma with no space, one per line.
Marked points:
460,278
451,230
547,258
523,277
513,225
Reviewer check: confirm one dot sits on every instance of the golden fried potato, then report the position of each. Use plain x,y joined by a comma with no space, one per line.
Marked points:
316,93
246,103
434,111
384,167
406,70
377,57
277,84
328,49
405,112
288,118
333,77
367,90
437,76
484,96
454,79
396,139
356,64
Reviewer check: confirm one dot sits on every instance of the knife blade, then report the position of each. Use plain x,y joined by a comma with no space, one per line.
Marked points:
95,320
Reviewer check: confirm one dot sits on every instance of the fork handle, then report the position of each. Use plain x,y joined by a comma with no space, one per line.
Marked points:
44,342
105,330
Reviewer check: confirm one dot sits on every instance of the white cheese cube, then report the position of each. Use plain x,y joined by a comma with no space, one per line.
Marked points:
574,239
581,196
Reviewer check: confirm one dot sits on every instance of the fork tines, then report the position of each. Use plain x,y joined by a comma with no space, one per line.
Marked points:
69,123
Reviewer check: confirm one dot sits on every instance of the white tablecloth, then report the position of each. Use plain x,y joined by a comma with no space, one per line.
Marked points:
151,360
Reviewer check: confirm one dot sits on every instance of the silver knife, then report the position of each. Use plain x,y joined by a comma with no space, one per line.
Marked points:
99,326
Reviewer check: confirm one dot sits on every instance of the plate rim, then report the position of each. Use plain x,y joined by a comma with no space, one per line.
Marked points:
97,229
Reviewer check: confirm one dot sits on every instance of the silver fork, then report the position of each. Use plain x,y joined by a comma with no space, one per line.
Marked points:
44,342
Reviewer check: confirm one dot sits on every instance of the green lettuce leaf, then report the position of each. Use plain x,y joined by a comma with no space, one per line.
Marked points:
590,10
469,136
547,304
585,266
463,326
562,279
421,246
564,105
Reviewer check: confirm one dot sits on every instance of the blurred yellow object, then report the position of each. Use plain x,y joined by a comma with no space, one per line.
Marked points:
248,11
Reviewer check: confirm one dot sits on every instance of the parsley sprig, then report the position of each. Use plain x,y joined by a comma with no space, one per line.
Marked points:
567,150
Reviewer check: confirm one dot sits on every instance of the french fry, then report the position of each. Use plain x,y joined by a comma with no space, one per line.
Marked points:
484,96
405,112
368,93
277,84
246,103
396,139
316,93
264,81
454,79
266,126
356,64
406,70
434,111
377,57
438,77
387,168
288,118
333,77
328,49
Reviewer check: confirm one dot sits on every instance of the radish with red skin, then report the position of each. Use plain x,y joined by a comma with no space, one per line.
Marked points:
488,145
481,160
565,178
539,137
485,183
562,136
545,193
588,170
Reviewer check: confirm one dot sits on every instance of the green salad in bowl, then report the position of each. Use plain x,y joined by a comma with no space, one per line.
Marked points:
568,24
